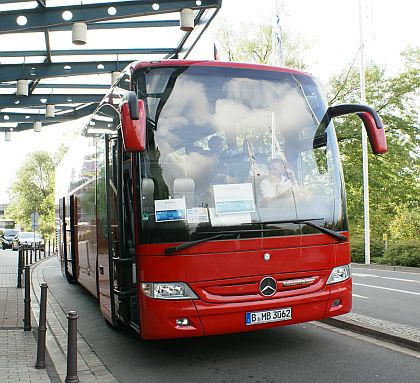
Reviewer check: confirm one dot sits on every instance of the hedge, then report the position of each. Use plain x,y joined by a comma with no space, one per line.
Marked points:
357,249
403,253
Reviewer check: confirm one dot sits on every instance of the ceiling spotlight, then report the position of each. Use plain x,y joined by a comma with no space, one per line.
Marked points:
78,33
22,87
187,20
37,126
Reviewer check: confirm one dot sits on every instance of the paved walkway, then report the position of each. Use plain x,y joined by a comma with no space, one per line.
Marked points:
18,347
89,367
18,351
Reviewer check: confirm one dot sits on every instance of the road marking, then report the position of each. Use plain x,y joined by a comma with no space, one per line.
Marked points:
379,276
387,288
359,296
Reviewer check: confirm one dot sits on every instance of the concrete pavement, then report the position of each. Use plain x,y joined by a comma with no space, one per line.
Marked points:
18,347
396,333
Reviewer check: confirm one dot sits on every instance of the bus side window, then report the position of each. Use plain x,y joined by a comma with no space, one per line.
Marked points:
147,190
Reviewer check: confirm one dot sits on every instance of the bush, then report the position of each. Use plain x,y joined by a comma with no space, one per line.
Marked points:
357,249
406,224
404,253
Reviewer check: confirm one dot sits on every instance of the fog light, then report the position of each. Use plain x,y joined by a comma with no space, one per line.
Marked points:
182,322
336,302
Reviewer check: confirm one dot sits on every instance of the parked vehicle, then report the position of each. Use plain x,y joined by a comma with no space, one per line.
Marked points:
180,231
28,238
6,238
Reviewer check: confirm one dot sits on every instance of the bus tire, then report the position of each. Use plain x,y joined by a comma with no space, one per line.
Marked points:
117,325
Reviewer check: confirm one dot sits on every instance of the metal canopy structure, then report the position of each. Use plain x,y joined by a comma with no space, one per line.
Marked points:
36,46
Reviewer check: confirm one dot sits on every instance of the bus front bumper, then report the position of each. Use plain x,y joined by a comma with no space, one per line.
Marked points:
163,319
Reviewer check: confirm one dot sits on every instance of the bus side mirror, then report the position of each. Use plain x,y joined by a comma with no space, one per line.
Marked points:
371,121
133,123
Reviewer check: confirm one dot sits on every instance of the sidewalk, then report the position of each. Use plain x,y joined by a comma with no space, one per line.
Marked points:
18,347
90,368
18,351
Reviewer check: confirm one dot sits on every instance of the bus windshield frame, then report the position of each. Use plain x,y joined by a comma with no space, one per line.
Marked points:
214,137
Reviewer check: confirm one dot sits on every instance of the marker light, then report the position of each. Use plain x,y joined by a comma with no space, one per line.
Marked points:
168,290
182,322
339,274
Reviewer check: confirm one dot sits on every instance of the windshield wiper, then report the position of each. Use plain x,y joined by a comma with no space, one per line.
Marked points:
309,222
333,233
186,245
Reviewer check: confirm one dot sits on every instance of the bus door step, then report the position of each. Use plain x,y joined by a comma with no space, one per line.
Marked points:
124,294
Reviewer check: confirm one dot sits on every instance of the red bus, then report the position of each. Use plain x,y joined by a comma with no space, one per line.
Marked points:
208,198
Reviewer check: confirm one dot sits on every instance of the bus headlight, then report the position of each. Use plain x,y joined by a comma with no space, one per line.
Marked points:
339,274
168,290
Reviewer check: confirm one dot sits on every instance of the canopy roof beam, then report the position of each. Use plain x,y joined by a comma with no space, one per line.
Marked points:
89,52
46,17
13,72
40,100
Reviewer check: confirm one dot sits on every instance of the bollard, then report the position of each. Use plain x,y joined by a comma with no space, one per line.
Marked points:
42,327
27,301
26,254
30,255
49,248
20,267
71,376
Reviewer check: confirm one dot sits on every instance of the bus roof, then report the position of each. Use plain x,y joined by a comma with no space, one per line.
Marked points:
141,64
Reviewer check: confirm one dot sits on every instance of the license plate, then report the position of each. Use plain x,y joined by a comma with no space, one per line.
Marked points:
268,316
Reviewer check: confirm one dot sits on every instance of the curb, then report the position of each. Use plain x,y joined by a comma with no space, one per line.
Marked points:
90,368
374,332
386,267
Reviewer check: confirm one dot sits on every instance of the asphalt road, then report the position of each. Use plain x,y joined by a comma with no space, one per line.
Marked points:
389,295
299,353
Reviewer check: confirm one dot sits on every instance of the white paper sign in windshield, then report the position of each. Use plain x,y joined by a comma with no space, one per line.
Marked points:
234,198
170,210
197,215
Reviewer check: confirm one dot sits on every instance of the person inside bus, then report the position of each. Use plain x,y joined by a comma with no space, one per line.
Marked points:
217,165
215,145
280,183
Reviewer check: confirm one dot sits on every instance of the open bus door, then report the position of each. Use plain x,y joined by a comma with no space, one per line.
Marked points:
115,246
67,244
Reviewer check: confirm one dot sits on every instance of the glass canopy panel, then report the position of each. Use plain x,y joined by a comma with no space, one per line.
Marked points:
33,33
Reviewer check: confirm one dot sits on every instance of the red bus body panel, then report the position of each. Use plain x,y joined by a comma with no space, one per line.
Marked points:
225,275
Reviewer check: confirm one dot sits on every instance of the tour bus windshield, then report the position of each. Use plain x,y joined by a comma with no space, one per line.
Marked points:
235,149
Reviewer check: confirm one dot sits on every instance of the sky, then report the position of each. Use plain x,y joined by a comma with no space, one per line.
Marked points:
330,27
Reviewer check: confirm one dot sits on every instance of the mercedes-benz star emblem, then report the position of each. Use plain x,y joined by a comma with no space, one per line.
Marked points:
268,286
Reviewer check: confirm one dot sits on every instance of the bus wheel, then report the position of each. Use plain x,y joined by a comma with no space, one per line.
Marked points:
115,326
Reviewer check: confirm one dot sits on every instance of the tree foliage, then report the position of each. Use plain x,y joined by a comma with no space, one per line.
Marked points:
254,44
394,177
33,190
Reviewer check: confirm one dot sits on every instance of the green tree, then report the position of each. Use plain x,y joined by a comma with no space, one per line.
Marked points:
406,224
33,190
254,44
394,177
